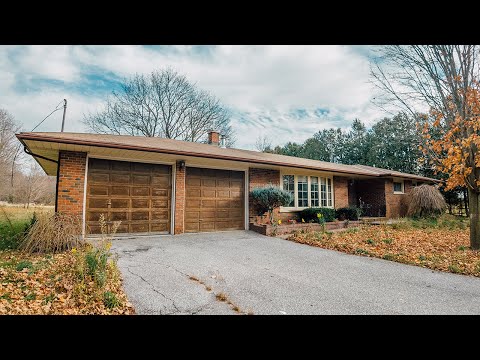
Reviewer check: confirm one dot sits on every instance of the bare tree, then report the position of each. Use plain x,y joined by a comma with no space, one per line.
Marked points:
10,152
416,77
163,104
263,143
33,186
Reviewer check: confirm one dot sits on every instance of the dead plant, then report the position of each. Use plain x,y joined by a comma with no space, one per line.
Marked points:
424,201
53,233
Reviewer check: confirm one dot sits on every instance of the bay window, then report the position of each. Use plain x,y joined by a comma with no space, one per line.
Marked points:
302,193
289,185
314,191
308,191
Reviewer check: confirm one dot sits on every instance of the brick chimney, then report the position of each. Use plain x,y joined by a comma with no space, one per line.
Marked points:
214,137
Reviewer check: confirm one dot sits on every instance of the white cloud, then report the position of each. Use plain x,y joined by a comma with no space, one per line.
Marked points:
265,83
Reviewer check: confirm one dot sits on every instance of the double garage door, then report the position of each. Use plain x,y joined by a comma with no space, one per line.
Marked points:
140,196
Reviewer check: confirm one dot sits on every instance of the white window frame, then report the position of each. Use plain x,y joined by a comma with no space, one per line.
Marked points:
402,182
308,175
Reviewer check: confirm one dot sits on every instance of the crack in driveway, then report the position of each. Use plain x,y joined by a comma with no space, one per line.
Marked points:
155,290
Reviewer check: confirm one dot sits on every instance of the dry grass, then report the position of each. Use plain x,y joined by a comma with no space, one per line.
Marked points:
53,233
19,213
443,248
425,200
221,297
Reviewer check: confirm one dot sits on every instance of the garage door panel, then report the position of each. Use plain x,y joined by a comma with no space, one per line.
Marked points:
120,203
223,193
207,193
162,180
100,178
207,213
120,190
225,183
120,166
119,216
99,164
192,226
140,215
236,184
99,203
120,178
214,200
223,203
160,227
140,191
192,203
194,192
98,190
137,194
209,183
192,215
139,227
160,203
160,192
207,225
159,215
222,214
140,203
208,204
141,179
193,181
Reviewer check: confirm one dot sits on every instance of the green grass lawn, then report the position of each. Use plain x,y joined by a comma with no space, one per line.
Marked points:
13,222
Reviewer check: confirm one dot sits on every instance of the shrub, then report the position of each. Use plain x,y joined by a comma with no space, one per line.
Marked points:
310,214
53,233
348,213
425,201
268,198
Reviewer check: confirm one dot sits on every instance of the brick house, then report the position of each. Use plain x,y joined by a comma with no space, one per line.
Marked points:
155,185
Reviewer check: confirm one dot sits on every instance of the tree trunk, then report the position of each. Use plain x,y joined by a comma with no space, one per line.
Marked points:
474,205
465,201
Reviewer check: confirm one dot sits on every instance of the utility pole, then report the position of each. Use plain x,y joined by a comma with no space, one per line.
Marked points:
64,111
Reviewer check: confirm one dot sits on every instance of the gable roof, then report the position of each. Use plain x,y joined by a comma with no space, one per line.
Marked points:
178,147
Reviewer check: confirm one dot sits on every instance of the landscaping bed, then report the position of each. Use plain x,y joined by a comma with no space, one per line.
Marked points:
53,284
273,230
435,244
83,279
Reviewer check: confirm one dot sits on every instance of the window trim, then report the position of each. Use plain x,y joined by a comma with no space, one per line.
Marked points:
308,175
402,182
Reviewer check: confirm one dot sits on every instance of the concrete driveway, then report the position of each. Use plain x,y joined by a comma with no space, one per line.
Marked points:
263,275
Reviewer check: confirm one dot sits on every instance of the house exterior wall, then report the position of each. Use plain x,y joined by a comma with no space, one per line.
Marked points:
340,191
179,210
396,203
71,182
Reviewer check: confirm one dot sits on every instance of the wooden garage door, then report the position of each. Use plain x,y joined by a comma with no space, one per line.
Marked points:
215,200
137,194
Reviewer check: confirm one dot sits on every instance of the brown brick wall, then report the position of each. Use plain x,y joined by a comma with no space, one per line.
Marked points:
396,203
179,199
259,178
71,182
340,191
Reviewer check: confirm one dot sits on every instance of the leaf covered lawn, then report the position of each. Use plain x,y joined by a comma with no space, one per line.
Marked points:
50,284
443,249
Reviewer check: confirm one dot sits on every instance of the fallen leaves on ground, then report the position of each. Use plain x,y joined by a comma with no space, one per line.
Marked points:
48,284
434,248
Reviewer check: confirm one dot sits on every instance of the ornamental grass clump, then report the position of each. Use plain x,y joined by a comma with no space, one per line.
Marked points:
425,201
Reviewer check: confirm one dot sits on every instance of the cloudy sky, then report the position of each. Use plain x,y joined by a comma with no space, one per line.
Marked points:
284,92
